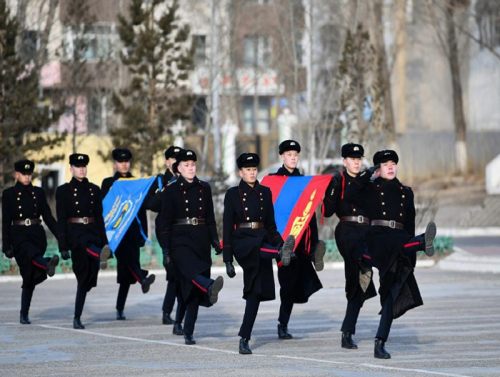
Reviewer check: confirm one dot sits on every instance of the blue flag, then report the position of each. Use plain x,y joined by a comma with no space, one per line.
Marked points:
121,205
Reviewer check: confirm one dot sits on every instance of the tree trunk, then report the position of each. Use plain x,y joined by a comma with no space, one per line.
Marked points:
385,76
458,106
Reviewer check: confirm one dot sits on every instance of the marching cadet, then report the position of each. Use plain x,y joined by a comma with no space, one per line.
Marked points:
298,281
187,230
23,236
391,241
128,252
154,205
80,228
350,238
251,236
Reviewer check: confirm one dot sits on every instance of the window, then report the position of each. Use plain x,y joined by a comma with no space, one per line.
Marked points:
29,44
95,114
200,57
199,113
257,50
261,120
488,22
94,42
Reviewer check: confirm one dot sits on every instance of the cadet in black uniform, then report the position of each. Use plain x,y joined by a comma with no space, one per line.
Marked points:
298,281
250,234
23,236
128,252
187,230
80,228
350,238
154,205
391,242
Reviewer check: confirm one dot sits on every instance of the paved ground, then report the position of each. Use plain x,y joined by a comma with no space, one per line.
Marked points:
456,333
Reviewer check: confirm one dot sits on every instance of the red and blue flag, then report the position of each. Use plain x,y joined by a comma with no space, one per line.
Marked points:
295,200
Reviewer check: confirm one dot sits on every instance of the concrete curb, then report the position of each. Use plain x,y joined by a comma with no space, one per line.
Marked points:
461,260
465,232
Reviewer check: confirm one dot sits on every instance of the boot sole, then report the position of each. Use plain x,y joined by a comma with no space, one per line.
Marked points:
149,280
52,265
430,234
319,255
287,250
246,352
103,258
383,357
216,288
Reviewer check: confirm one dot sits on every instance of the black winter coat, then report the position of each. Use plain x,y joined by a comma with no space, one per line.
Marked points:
242,204
189,245
80,199
22,202
349,236
389,200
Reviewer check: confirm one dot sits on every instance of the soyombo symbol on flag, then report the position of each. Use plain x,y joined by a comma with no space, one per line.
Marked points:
295,199
120,207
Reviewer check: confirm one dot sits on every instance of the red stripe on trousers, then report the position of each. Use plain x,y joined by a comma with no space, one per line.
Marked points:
133,274
366,256
269,250
280,264
199,286
92,253
412,244
38,265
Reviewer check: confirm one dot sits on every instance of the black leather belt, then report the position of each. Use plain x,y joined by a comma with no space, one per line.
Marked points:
251,225
27,222
356,219
80,220
389,223
193,221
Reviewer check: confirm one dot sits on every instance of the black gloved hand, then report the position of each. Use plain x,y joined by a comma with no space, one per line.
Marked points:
374,168
9,253
216,246
230,270
167,261
64,254
336,179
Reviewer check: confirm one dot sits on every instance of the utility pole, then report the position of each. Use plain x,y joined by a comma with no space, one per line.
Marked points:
214,73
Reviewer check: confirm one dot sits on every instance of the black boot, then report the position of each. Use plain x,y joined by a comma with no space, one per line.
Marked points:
319,255
51,268
24,319
167,320
287,250
77,324
189,339
177,330
380,351
214,289
244,347
429,235
146,283
104,256
347,341
120,315
283,332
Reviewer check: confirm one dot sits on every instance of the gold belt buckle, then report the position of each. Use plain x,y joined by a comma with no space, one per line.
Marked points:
361,219
27,222
392,224
194,221
254,225
85,220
